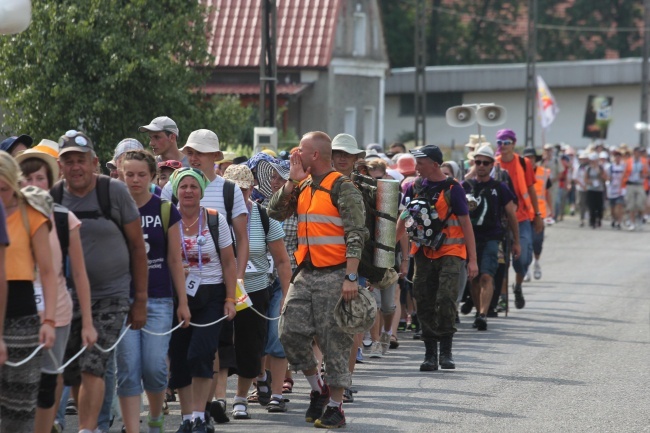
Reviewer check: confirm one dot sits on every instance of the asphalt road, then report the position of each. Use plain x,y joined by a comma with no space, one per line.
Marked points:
576,359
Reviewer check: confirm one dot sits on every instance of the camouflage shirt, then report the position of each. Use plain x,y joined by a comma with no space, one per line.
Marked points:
349,202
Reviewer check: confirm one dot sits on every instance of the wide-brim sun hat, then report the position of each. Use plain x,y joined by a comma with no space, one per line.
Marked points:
348,144
357,315
265,170
45,157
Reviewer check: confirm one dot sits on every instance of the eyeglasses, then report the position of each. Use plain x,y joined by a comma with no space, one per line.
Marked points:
504,142
481,162
79,139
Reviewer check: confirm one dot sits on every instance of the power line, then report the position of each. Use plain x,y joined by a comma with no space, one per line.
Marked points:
540,26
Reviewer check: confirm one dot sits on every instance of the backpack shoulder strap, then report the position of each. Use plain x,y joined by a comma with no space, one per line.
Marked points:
165,214
264,216
104,196
213,226
63,233
228,199
57,192
522,161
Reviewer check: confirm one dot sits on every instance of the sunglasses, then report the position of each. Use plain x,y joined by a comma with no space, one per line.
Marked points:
176,165
504,142
78,139
485,163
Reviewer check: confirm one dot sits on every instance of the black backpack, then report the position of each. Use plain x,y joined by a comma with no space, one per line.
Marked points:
213,222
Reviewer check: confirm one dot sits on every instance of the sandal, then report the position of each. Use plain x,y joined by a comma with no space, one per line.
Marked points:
394,344
276,405
264,397
287,386
170,395
347,396
240,410
253,397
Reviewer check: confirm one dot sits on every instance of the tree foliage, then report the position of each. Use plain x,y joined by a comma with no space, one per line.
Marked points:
107,67
495,31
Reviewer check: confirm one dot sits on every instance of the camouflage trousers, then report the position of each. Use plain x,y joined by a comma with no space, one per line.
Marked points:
435,287
308,314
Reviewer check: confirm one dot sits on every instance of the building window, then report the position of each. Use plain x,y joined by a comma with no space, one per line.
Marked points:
369,125
437,103
350,121
359,48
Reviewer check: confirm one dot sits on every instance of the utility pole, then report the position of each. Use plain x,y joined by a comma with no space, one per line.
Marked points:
531,79
268,64
643,135
420,74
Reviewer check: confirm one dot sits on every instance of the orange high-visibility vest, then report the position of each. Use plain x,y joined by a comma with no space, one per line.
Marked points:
628,171
320,227
541,178
454,243
523,198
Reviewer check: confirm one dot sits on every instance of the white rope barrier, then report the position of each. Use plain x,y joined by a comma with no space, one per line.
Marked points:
78,354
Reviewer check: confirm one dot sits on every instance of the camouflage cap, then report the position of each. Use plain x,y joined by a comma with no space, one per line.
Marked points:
357,315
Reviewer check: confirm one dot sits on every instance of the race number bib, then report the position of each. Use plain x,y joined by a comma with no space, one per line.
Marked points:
38,297
192,283
250,267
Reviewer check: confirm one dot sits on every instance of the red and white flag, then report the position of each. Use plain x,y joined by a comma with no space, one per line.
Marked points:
546,104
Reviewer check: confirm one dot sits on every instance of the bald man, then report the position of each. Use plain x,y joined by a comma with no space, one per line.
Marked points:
331,233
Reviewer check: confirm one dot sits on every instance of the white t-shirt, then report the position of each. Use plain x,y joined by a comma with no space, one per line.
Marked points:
210,270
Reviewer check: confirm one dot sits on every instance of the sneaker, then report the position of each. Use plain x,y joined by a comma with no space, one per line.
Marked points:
502,305
332,418
520,302
481,323
56,428
160,423
317,402
384,339
394,343
367,340
359,359
240,410
375,350
467,307
199,426
276,405
417,335
537,271
348,396
401,326
415,323
527,277
492,313
186,427
218,411
71,407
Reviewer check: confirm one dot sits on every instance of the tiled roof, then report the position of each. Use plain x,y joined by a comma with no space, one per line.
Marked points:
251,89
305,28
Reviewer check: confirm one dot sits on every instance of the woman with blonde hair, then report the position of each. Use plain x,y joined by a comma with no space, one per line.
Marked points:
29,225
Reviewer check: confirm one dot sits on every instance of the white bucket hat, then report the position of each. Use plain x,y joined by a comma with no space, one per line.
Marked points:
204,141
348,144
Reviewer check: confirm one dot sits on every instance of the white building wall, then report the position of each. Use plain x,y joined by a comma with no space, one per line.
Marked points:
566,128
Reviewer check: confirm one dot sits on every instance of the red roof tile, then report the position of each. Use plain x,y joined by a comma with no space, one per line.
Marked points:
251,89
305,28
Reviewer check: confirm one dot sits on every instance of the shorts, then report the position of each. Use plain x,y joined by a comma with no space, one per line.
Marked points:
487,254
108,318
141,357
385,298
616,201
54,359
273,343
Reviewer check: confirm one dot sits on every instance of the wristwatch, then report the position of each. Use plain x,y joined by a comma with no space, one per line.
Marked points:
539,214
351,277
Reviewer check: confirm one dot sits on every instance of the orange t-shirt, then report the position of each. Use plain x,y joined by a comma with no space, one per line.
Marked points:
520,190
19,258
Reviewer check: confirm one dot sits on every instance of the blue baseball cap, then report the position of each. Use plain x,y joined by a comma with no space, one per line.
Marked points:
8,143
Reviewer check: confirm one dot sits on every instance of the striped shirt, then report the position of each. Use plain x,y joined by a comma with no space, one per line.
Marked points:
210,270
258,278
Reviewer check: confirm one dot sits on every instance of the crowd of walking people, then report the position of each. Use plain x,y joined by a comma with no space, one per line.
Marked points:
169,275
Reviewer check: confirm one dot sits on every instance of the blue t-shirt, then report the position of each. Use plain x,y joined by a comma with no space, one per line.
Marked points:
160,283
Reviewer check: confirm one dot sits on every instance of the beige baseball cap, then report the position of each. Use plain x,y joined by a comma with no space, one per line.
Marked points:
162,123
204,141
